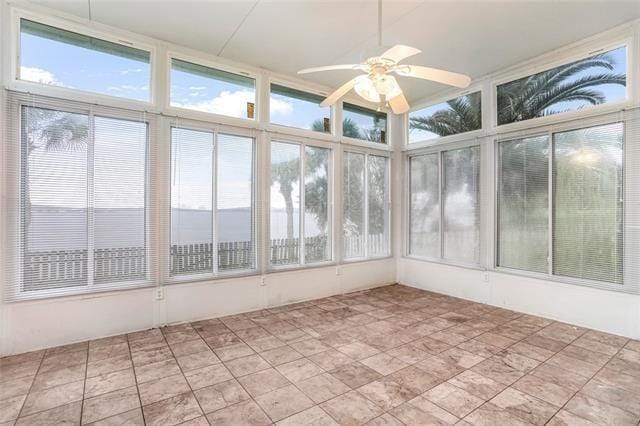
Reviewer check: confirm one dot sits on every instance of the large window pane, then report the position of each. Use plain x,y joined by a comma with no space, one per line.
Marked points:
119,200
295,108
285,203
424,209
591,81
353,205
211,90
316,204
191,202
459,115
461,204
54,199
588,203
62,58
523,204
363,123
234,216
378,206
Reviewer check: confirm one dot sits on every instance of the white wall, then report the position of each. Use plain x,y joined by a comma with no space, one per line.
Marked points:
44,323
612,312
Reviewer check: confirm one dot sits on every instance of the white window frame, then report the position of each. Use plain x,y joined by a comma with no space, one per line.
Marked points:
366,151
302,144
440,149
95,30
626,286
16,104
215,131
386,146
451,138
572,55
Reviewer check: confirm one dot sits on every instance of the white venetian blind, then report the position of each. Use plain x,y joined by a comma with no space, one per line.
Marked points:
424,208
82,203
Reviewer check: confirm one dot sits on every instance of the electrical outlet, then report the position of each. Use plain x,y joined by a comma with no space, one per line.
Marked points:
159,293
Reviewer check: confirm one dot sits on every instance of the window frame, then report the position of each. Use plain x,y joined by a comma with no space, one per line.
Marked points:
387,145
15,293
98,31
440,149
475,87
366,151
626,286
568,56
296,131
302,143
215,131
210,116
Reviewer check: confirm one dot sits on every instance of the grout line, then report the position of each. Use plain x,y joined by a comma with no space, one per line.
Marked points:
44,353
135,378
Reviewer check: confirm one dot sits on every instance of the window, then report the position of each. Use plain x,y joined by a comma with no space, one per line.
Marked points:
445,205
523,204
57,57
200,88
207,170
365,205
595,80
295,108
363,123
83,201
460,115
299,177
586,204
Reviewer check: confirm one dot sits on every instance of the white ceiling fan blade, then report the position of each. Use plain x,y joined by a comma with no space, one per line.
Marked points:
331,68
399,104
342,90
400,52
434,74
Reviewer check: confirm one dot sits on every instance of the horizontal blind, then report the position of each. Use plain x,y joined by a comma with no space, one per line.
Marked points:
461,204
317,212
523,204
377,206
424,206
588,203
353,205
81,211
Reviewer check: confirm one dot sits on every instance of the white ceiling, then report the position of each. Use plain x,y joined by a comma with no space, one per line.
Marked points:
474,37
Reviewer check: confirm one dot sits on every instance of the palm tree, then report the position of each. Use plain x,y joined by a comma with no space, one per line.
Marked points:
349,127
529,97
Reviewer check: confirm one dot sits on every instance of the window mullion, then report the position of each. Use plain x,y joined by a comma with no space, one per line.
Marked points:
441,184
214,206
365,237
550,203
301,209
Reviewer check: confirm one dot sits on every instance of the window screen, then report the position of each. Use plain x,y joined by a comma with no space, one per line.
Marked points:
82,202
364,123
57,57
523,204
206,89
459,115
295,108
365,205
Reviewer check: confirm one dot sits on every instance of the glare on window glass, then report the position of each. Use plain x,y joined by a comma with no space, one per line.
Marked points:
595,80
362,123
211,90
62,58
295,108
459,115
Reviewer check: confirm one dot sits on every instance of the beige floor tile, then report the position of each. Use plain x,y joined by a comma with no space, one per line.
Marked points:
355,375
53,397
164,388
68,414
280,355
197,360
453,399
544,390
351,408
207,376
172,411
283,402
263,381
299,369
420,411
315,416
220,395
109,382
599,412
109,404
244,413
523,406
386,393
322,387
156,370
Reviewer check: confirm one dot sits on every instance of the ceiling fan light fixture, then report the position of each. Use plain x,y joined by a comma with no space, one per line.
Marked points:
372,88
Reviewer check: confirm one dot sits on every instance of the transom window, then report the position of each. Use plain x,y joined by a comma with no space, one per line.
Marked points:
200,88
57,57
364,123
295,108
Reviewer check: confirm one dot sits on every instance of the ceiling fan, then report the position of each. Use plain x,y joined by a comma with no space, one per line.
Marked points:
378,84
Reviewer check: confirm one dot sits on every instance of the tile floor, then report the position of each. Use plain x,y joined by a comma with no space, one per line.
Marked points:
388,356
